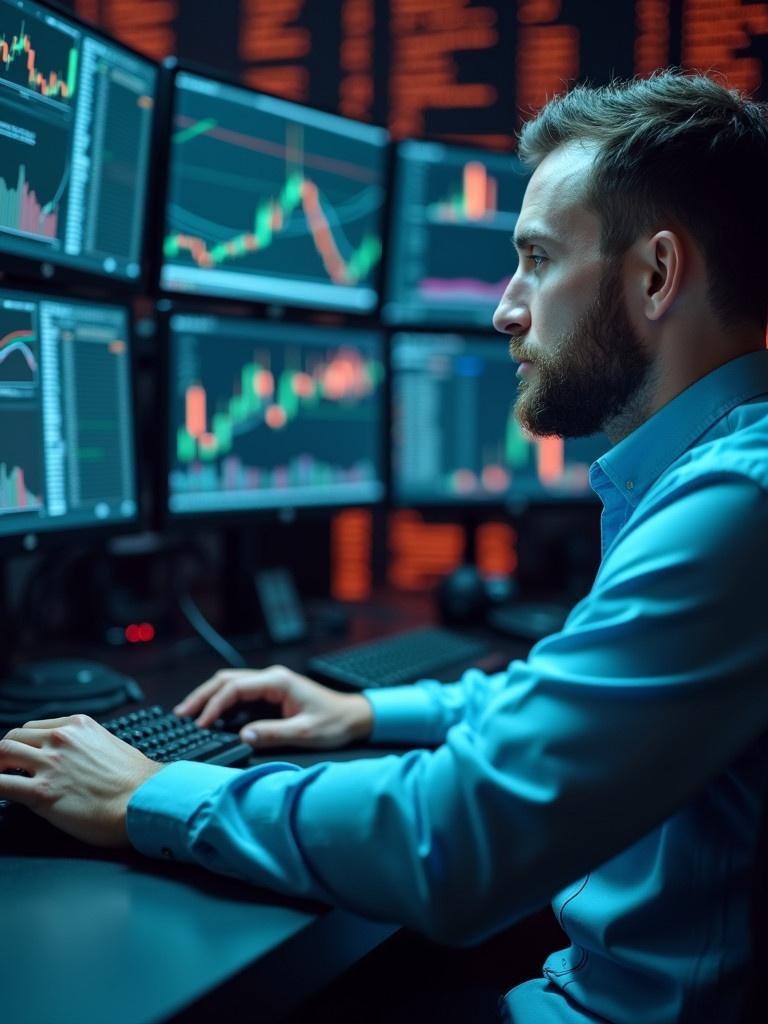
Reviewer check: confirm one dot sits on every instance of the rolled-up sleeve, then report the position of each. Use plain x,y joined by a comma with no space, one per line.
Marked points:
545,771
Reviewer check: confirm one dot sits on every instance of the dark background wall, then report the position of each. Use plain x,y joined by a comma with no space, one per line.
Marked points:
465,70
450,68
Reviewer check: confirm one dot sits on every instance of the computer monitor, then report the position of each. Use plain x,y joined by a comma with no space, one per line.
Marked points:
450,253
76,117
455,439
67,448
271,415
271,201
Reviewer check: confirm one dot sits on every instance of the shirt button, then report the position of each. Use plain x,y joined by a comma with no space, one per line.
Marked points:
630,484
167,853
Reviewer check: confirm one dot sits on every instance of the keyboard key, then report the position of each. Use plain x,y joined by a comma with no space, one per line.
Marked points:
165,737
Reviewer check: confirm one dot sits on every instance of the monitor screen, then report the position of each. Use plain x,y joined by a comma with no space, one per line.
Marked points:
456,439
272,415
76,114
271,201
67,445
453,215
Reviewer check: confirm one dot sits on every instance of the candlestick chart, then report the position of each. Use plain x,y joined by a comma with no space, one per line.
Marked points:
36,55
455,210
265,206
274,416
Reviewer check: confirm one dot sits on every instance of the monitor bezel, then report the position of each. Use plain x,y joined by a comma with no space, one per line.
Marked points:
440,507
171,69
163,517
31,541
20,269
395,181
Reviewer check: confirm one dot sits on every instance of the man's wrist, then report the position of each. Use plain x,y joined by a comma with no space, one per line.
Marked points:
144,774
361,718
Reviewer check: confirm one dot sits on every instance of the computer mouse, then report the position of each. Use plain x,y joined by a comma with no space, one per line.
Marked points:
241,715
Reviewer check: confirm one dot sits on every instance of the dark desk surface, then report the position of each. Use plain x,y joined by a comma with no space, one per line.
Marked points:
89,937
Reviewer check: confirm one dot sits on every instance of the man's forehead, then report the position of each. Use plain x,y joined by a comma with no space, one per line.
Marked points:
554,202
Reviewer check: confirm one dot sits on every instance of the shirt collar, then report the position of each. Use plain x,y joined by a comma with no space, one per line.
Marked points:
636,463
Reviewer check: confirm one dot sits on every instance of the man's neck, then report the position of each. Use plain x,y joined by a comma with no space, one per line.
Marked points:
669,377
638,409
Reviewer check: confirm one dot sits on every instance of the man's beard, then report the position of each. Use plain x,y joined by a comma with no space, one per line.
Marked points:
592,375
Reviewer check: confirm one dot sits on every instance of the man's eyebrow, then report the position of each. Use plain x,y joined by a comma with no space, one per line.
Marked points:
523,239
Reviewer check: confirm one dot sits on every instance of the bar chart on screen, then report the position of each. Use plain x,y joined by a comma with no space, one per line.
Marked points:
21,469
457,438
455,212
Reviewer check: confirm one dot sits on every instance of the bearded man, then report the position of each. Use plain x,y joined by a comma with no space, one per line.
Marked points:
621,770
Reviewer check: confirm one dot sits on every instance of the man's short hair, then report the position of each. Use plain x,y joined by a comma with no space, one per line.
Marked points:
674,150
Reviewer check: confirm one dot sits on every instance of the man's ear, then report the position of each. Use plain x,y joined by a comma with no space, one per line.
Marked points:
663,262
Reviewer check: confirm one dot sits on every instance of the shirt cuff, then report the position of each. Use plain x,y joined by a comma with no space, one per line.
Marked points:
404,714
160,811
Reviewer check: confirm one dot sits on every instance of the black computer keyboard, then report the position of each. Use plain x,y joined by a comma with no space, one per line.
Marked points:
163,736
403,658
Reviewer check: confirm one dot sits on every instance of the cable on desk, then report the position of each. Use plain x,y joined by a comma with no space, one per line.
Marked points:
206,631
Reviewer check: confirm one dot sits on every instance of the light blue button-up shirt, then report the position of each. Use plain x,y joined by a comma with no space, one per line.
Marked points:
620,766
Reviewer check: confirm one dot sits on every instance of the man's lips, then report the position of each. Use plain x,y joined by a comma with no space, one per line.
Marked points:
522,358
519,354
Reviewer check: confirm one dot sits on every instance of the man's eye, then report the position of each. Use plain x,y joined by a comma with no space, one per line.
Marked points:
536,259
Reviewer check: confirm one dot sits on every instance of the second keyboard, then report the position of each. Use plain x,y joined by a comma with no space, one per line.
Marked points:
403,658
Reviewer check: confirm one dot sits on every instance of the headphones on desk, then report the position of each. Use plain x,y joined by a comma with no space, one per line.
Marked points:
54,689
465,595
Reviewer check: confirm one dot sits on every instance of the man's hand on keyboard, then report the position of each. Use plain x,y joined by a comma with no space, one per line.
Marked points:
78,776
313,716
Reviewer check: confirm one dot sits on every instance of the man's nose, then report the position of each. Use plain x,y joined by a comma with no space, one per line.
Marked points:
512,316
